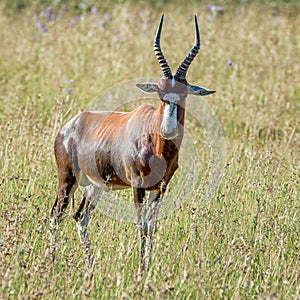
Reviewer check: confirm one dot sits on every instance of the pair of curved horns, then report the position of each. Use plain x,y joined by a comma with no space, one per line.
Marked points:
183,68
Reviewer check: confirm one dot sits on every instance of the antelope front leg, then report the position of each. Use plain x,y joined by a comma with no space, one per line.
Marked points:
147,228
139,196
148,225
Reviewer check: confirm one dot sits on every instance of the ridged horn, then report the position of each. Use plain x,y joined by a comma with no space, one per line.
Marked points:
160,57
183,68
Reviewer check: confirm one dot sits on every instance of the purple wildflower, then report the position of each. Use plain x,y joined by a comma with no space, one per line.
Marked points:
78,18
215,9
69,91
141,13
48,13
94,10
61,13
107,16
71,81
229,63
41,26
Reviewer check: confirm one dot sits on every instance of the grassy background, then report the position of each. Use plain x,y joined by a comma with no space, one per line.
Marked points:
244,244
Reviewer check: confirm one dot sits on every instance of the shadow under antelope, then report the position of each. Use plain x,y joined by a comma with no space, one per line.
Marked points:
116,150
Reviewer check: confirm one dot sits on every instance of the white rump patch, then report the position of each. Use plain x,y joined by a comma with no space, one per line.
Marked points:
67,132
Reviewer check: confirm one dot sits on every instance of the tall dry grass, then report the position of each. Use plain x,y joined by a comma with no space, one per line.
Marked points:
243,244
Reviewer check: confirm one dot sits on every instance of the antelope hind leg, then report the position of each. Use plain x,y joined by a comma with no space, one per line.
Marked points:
82,218
65,192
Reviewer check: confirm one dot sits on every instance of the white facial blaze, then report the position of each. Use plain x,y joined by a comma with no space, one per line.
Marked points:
169,123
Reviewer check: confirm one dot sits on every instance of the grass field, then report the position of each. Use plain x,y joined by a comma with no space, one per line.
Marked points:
245,243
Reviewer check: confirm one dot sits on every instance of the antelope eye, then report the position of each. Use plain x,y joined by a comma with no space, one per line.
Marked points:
161,94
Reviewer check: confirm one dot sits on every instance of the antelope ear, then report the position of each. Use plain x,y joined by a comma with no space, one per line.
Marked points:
198,90
148,87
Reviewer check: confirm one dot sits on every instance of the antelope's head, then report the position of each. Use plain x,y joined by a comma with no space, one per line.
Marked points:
173,89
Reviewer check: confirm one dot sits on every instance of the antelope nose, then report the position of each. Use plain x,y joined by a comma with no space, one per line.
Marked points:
169,135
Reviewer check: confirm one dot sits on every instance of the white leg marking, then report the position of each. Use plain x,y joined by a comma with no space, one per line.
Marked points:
53,230
92,194
147,227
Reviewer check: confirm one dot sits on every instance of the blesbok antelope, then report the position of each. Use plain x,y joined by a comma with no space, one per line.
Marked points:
116,150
